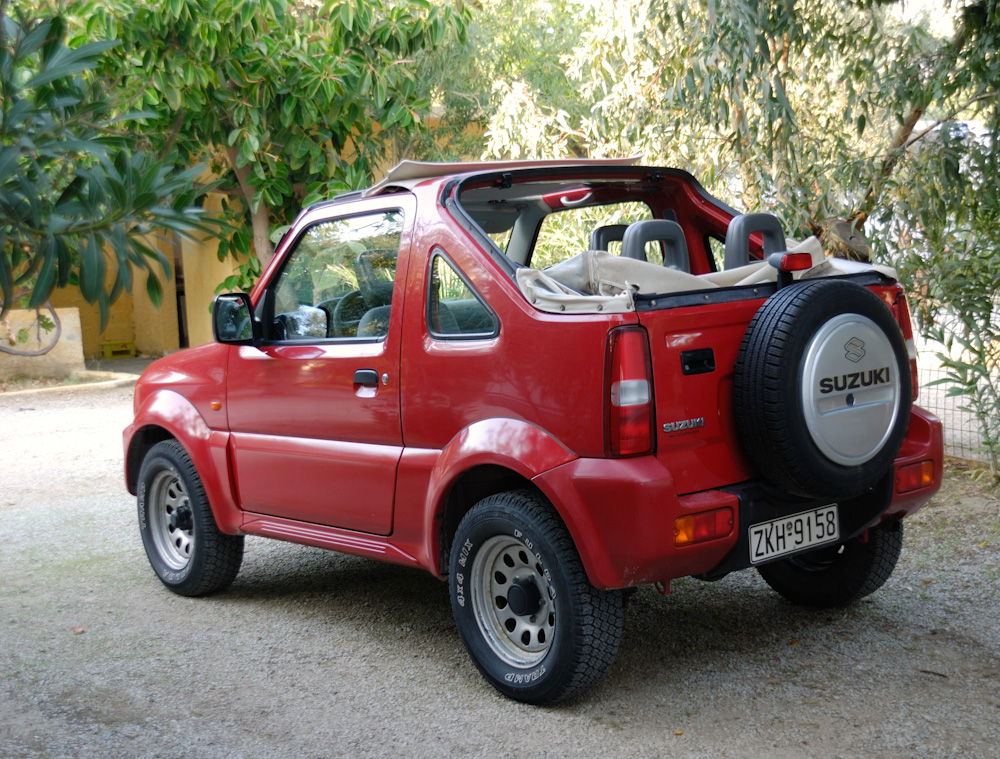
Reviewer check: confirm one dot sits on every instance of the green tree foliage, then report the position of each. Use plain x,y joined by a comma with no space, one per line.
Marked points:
77,203
943,233
290,103
506,75
942,226
839,116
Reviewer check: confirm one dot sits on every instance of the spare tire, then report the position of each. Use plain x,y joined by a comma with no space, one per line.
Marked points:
822,389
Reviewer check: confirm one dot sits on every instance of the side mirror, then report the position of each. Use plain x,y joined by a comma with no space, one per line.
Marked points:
233,321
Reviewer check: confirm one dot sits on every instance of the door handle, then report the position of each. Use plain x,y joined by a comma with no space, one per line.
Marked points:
366,377
701,361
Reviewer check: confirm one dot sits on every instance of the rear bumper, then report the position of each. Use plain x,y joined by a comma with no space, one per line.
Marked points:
622,513
924,441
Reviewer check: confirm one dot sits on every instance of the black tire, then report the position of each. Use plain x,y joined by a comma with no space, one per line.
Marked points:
184,545
838,575
532,623
820,412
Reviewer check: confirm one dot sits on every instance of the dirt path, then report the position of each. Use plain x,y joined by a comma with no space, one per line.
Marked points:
312,654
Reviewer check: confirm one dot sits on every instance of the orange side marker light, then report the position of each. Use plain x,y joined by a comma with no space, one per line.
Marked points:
705,526
914,476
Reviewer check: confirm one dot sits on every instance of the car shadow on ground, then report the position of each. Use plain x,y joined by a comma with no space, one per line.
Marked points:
700,630
345,587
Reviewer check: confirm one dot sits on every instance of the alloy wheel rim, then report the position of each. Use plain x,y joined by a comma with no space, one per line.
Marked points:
514,601
171,520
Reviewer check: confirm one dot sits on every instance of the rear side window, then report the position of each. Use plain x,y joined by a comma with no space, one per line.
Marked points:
454,309
339,280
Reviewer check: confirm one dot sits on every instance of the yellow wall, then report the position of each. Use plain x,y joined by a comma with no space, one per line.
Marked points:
133,317
156,330
120,327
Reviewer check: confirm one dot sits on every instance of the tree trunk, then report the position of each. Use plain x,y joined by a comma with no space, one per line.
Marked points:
261,218
892,156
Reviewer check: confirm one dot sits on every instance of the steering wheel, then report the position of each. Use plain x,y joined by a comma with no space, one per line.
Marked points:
348,313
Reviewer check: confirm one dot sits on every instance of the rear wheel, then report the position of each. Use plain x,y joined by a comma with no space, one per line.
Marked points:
528,616
184,545
838,575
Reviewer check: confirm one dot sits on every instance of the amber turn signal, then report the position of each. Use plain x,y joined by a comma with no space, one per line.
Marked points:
914,476
705,526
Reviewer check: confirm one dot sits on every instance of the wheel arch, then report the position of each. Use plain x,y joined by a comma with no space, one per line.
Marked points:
487,457
468,489
142,440
167,415
477,483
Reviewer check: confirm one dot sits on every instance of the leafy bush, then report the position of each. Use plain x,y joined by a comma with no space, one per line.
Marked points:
78,205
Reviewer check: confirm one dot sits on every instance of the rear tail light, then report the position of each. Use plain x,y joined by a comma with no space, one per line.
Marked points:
902,312
628,389
791,261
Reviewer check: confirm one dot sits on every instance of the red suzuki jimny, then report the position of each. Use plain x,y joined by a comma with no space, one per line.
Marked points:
546,382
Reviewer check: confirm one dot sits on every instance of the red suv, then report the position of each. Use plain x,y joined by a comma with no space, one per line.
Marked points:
546,382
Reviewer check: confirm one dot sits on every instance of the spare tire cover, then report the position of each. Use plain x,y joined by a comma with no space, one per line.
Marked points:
822,389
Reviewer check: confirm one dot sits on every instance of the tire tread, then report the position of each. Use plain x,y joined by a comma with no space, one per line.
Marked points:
219,556
856,574
599,620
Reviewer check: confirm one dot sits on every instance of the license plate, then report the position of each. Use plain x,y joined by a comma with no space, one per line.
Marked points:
778,537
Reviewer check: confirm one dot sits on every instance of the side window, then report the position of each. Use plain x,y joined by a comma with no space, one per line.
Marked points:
717,250
338,281
454,309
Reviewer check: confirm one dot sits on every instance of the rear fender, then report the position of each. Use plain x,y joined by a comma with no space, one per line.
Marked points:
924,442
165,414
511,444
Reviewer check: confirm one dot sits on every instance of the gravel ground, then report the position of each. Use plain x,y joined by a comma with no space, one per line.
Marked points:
313,654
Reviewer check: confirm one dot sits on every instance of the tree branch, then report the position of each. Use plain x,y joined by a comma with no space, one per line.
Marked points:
896,150
57,333
174,131
950,116
901,142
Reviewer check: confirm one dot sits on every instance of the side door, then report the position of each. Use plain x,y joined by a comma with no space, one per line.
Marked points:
314,411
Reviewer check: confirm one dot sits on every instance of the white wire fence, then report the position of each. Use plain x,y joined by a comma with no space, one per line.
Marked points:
962,437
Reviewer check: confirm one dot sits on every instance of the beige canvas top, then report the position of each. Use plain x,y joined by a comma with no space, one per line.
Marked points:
409,174
596,281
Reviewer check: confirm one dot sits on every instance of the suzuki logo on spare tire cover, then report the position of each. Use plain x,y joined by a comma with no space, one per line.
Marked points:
854,349
850,389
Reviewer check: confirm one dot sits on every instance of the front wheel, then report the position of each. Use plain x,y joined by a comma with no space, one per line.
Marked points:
533,624
186,549
838,575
